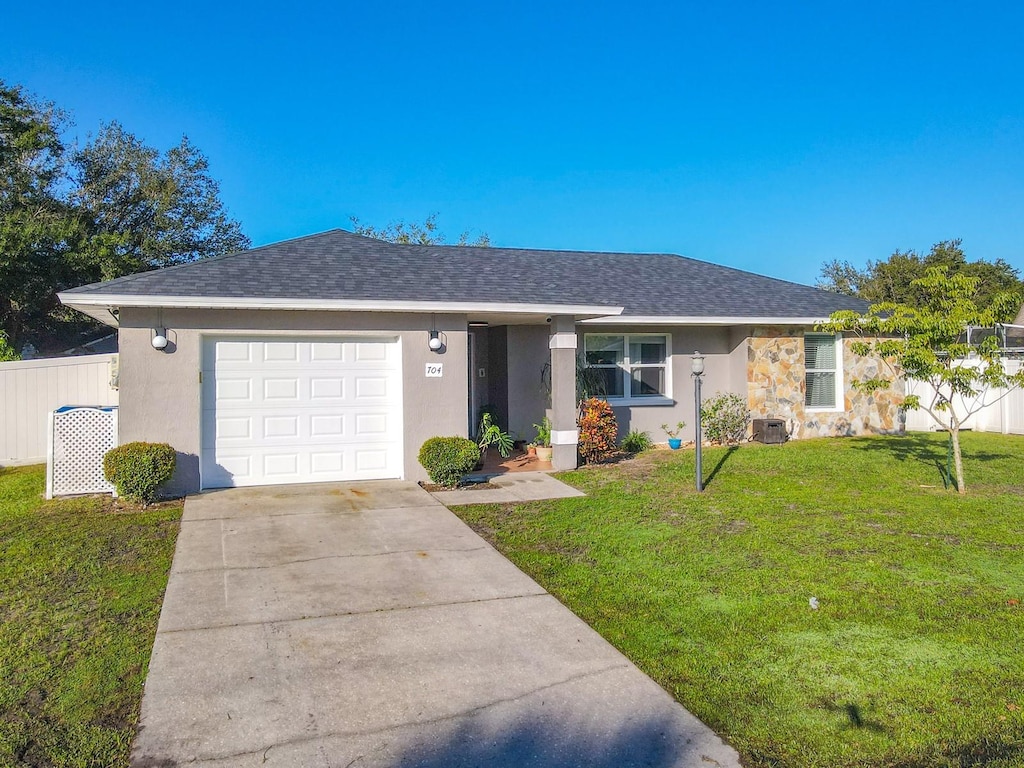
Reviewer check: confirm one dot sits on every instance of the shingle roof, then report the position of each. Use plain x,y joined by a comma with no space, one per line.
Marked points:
339,265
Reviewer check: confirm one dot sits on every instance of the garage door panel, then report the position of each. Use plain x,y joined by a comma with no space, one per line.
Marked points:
238,390
276,389
370,352
327,425
278,465
323,389
281,427
233,428
291,410
371,424
281,424
326,462
270,466
233,351
333,352
369,388
280,352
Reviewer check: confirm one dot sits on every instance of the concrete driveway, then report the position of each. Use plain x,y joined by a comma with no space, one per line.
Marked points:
363,624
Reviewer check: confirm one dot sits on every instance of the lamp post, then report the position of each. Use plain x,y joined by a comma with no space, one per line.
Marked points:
697,366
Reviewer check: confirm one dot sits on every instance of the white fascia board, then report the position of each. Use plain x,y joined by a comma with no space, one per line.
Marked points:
691,320
99,312
79,301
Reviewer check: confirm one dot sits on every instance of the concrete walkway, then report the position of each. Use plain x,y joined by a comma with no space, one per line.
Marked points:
363,624
510,488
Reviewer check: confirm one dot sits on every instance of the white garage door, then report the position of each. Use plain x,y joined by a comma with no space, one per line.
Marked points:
299,410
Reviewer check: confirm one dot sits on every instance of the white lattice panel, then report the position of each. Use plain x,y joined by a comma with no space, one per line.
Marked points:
79,438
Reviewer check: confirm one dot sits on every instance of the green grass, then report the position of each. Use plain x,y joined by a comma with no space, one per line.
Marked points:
915,656
80,592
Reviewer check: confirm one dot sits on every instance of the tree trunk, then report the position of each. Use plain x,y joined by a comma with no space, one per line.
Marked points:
954,433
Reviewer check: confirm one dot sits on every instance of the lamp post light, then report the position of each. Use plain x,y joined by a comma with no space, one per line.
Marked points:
697,366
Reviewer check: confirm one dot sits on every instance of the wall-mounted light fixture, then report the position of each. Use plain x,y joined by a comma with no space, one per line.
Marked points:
159,338
438,341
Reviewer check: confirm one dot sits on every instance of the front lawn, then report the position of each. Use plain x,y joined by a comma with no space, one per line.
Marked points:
80,593
915,655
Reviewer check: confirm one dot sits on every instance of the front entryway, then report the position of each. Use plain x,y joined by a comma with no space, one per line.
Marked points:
300,409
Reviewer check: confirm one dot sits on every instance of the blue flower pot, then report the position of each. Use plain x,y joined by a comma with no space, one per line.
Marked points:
675,443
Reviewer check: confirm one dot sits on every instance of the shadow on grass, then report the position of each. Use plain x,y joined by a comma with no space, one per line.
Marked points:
855,719
925,449
1004,750
554,743
721,463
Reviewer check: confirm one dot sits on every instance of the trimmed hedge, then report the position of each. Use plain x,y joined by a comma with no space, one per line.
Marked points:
447,459
138,470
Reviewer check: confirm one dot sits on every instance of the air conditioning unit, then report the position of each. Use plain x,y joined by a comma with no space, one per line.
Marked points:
770,431
78,438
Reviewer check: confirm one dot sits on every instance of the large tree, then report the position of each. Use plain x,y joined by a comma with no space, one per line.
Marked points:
895,279
110,208
146,209
426,233
926,342
38,229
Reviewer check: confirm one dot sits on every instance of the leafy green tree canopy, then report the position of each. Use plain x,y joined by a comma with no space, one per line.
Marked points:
112,207
426,233
148,209
926,342
38,228
895,279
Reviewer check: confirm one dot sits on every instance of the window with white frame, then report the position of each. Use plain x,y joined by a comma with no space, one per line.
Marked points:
633,366
823,366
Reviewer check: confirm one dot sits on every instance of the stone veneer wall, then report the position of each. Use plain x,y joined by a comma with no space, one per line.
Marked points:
775,389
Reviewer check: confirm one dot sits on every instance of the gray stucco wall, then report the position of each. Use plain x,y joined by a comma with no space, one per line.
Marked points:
715,343
160,391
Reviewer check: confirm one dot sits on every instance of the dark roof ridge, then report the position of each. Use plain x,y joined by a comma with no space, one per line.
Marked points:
571,252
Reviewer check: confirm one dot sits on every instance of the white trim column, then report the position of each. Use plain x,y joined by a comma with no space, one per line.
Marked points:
564,436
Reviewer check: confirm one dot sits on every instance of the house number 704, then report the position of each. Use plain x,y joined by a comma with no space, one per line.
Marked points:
435,370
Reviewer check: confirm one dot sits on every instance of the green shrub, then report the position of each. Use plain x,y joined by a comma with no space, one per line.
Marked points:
138,470
7,352
725,418
447,459
598,430
636,442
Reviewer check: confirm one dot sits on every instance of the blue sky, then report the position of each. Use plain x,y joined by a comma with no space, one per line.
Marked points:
765,136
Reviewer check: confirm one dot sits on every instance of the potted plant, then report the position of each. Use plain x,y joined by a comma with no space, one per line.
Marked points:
491,434
674,441
543,440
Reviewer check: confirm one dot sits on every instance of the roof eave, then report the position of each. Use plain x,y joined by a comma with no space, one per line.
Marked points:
621,319
97,304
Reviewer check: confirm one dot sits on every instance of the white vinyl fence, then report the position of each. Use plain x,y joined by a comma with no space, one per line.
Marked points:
1002,412
31,389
